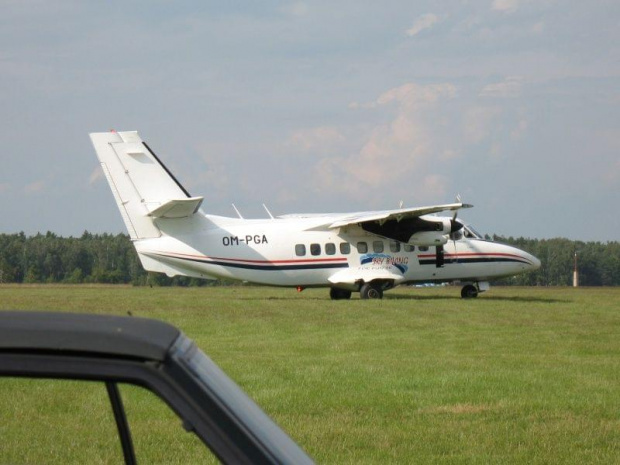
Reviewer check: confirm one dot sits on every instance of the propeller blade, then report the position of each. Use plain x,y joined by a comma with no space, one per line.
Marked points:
455,225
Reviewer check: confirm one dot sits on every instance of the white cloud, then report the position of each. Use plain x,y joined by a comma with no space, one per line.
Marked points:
507,6
517,132
508,88
612,175
435,186
478,122
319,138
295,9
96,174
410,94
398,149
425,21
539,27
449,154
34,187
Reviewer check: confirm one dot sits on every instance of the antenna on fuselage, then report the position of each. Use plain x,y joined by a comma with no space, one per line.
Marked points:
239,214
268,212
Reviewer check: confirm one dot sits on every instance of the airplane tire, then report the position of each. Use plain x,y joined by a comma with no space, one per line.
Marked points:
339,294
368,291
469,291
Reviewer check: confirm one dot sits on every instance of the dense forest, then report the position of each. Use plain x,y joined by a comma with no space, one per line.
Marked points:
106,258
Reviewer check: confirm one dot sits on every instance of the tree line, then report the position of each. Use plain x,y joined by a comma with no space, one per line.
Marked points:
108,258
91,258
598,263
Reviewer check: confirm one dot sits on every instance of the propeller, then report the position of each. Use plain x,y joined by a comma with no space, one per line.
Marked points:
454,227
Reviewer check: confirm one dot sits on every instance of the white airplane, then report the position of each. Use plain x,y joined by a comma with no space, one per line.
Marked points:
365,252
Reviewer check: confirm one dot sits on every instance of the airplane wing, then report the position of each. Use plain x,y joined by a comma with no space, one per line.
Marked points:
382,217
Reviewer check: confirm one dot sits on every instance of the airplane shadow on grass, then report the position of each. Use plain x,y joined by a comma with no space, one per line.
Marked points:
387,296
523,299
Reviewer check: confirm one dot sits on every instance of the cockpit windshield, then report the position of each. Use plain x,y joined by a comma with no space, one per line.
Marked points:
470,233
467,232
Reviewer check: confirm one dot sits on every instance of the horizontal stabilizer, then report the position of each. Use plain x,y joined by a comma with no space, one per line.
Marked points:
177,208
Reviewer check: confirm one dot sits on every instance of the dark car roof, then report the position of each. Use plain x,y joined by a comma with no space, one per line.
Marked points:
95,334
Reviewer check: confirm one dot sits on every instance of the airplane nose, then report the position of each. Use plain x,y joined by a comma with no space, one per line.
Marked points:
535,262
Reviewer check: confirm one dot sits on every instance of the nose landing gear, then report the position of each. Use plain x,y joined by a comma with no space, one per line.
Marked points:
471,290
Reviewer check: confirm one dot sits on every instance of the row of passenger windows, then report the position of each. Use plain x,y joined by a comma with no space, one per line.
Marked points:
345,248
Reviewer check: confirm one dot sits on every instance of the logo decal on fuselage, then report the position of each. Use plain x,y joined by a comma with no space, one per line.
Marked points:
385,261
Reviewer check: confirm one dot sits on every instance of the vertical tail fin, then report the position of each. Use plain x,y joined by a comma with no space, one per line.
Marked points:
143,187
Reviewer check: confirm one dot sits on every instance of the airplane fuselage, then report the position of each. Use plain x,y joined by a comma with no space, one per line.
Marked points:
290,252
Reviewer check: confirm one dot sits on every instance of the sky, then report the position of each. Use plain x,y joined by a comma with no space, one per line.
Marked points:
318,106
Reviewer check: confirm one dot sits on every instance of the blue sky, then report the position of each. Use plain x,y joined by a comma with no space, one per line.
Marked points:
319,107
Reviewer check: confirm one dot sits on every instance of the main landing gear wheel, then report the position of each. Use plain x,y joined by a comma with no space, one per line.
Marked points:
370,291
339,294
469,291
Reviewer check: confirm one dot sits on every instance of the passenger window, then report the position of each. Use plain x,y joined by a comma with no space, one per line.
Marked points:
345,248
330,248
315,249
409,247
377,246
300,250
394,246
362,247
423,248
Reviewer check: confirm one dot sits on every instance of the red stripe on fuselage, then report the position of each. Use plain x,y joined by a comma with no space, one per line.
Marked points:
474,254
204,257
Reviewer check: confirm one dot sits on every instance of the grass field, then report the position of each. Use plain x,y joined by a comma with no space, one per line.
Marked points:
519,375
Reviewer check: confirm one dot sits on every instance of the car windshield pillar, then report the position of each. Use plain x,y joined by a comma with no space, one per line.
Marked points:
121,422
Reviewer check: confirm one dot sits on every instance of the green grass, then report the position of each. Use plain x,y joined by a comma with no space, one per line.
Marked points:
519,375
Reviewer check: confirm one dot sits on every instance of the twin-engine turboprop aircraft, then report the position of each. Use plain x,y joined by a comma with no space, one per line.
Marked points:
366,252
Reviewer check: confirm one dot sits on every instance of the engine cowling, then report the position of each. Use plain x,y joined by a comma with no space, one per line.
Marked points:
428,238
422,231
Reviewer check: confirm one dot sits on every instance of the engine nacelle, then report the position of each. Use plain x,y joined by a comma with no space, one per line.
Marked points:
428,238
428,231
